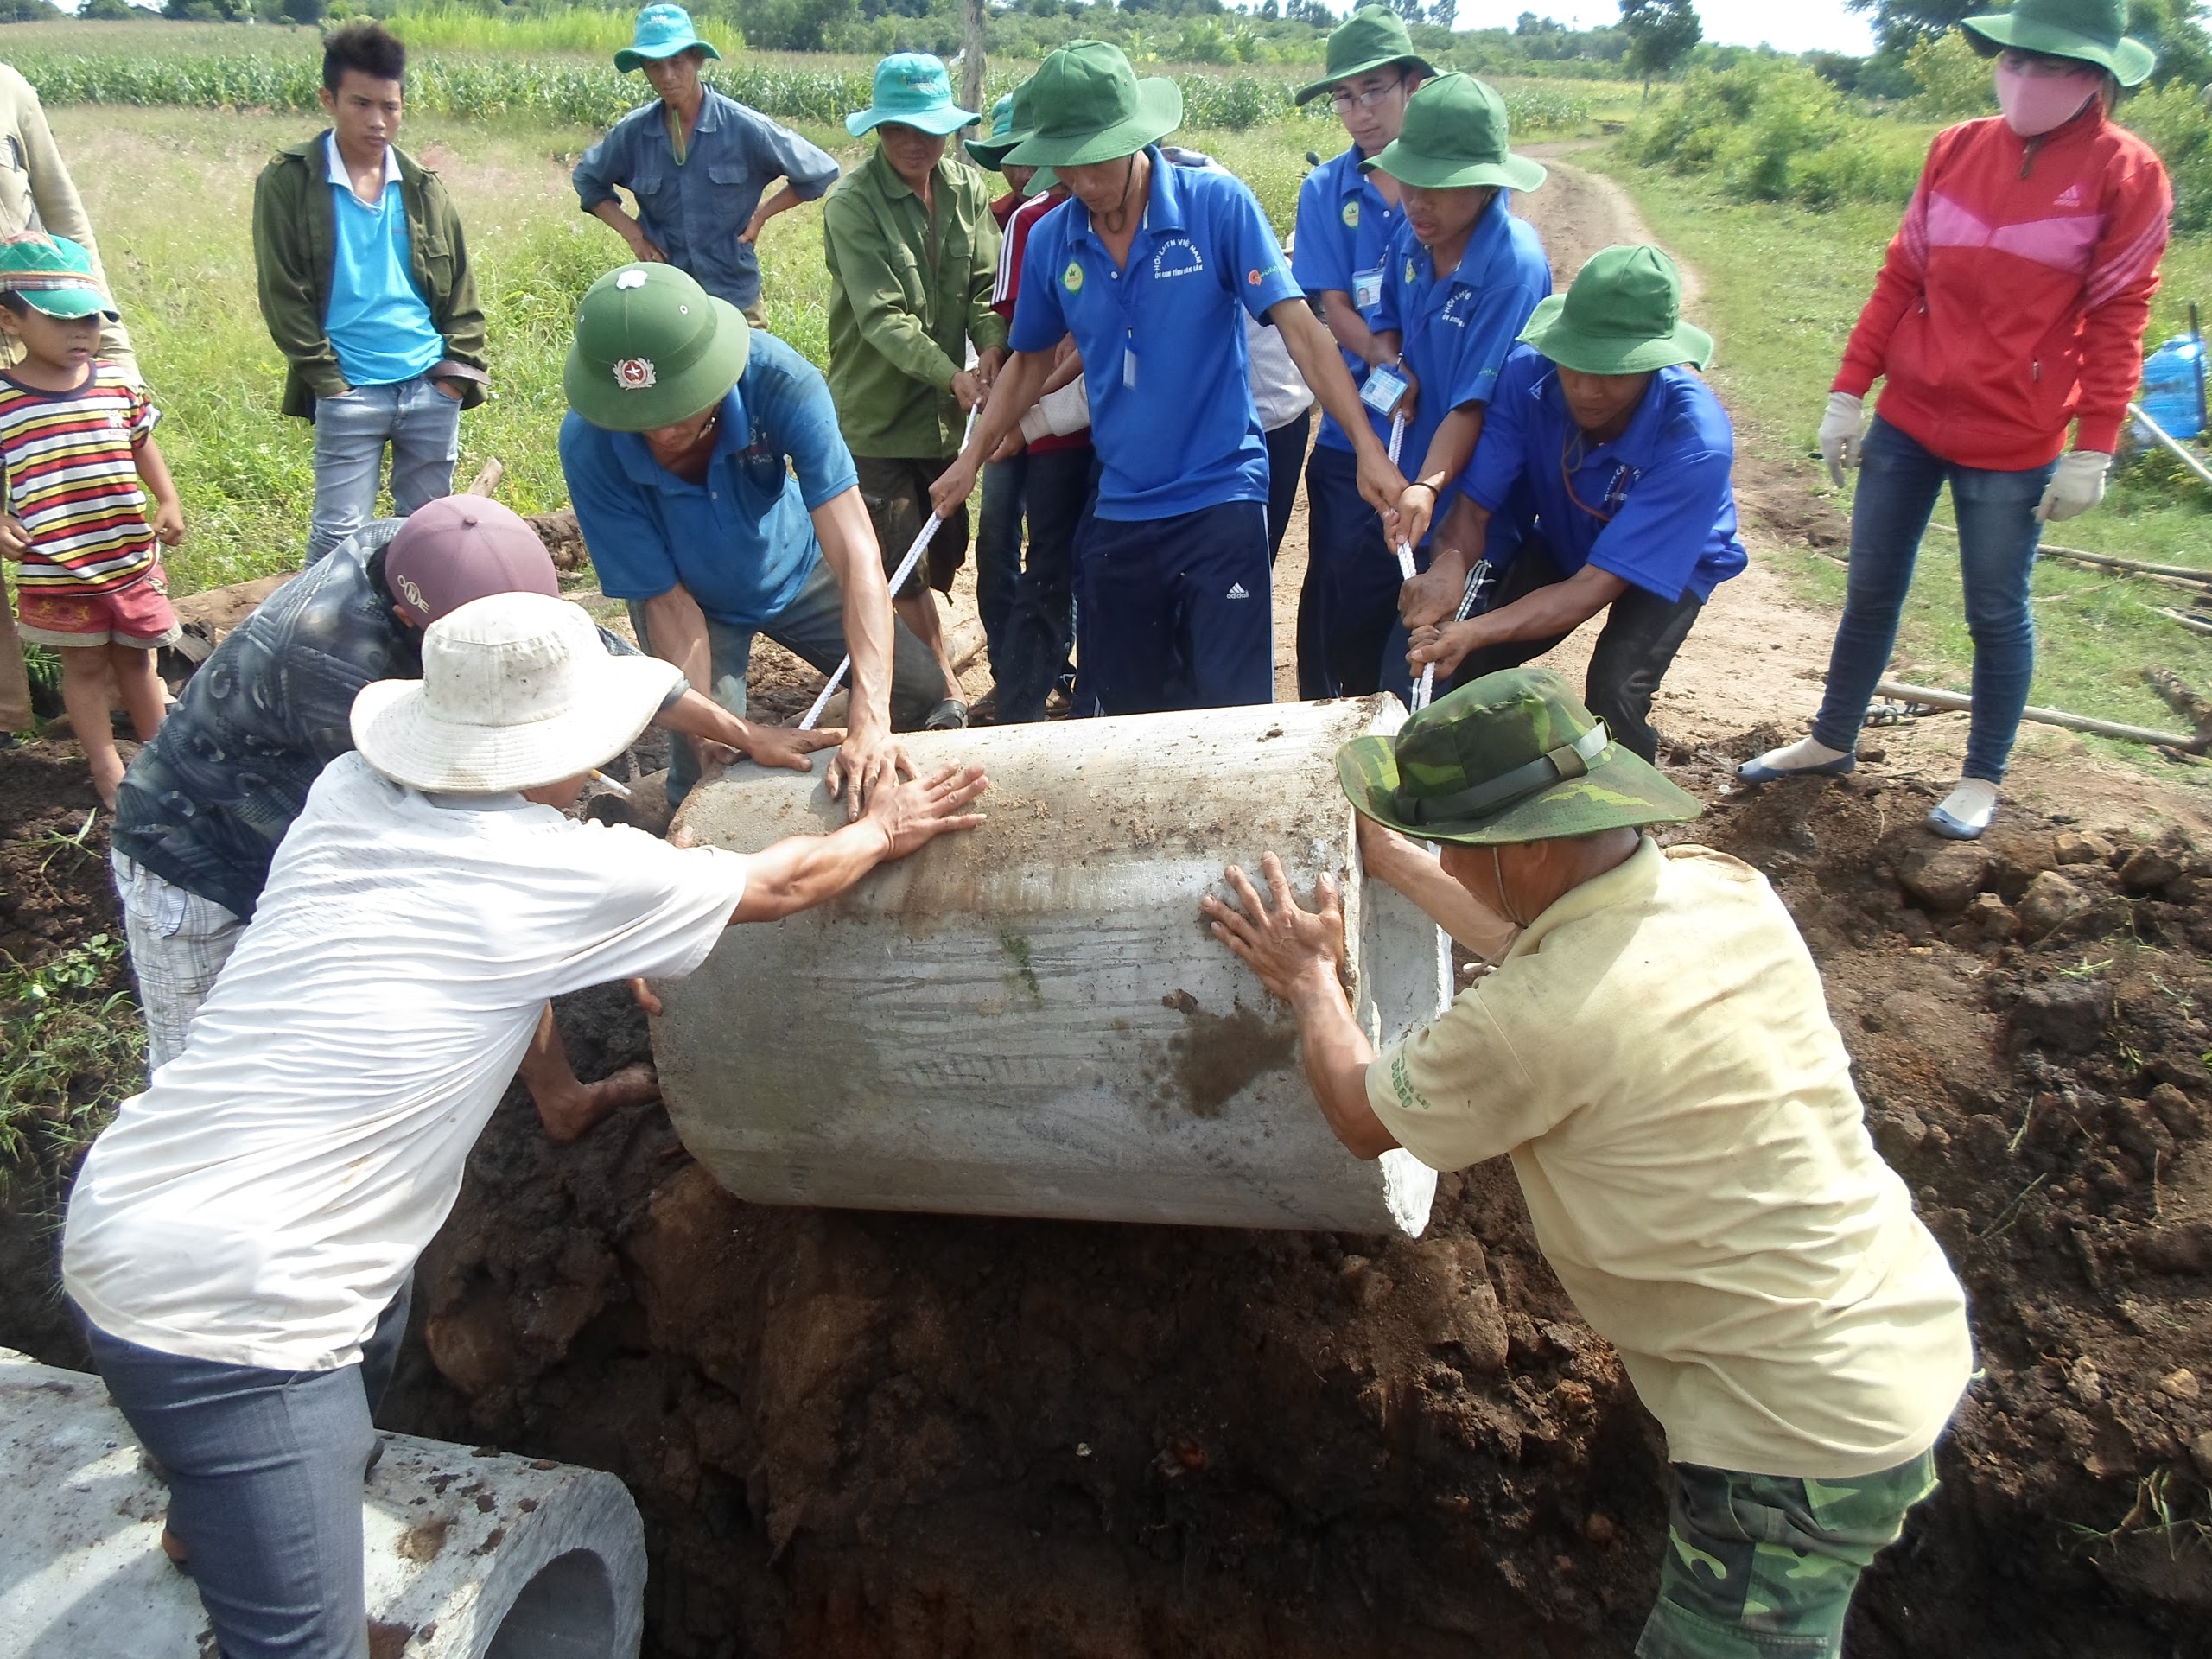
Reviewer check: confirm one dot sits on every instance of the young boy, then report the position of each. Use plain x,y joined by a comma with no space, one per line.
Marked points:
76,439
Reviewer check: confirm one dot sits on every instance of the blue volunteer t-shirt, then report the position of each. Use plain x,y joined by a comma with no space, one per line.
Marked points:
1344,228
740,543
1164,357
377,323
1456,330
1653,507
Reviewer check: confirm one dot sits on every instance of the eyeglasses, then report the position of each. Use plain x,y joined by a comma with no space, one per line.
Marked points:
1342,102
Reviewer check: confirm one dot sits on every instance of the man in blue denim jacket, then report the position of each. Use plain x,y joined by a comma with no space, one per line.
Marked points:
697,162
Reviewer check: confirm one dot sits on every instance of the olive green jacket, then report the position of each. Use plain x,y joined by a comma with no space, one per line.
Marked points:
294,244
36,194
908,289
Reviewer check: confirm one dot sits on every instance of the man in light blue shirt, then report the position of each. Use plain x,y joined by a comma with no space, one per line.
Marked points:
365,287
1153,269
697,163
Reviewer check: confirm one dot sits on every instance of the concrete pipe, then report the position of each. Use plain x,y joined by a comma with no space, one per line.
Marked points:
1032,1019
470,1555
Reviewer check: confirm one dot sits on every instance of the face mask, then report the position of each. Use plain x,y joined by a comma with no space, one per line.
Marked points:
2035,104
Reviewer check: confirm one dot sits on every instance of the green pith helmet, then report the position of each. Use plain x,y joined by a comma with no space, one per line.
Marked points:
1091,107
651,348
1622,316
1513,757
663,31
1454,134
1371,38
2092,30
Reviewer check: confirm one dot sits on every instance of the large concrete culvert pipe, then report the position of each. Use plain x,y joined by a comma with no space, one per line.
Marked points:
1032,1019
470,1554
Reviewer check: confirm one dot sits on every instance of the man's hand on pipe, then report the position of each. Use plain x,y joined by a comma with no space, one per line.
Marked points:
913,814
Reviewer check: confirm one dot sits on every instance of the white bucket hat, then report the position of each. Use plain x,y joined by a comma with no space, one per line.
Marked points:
518,691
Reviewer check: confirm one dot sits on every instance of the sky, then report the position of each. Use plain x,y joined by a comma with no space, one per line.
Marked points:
1790,25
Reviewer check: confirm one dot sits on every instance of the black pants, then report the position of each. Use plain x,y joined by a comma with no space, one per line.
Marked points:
1040,626
1286,456
1643,631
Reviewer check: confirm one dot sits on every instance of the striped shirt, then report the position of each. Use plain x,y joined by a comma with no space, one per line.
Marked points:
73,481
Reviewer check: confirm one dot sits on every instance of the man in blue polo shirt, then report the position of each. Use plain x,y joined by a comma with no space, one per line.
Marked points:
681,422
1151,268
1347,216
1461,279
1625,454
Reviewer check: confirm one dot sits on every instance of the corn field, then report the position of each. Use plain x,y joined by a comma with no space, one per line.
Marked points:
593,95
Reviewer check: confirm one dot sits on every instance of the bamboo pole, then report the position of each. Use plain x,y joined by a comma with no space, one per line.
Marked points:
1937,698
2187,573
2172,446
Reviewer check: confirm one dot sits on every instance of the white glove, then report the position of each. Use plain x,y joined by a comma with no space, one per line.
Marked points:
2077,485
1840,434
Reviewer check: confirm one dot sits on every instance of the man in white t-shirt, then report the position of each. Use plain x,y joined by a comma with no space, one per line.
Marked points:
240,1241
1654,1053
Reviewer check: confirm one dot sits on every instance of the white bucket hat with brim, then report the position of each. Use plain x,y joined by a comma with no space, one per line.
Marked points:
518,691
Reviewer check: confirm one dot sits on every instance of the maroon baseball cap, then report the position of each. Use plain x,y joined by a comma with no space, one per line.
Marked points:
460,548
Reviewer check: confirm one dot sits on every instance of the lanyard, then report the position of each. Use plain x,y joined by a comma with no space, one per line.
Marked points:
1616,486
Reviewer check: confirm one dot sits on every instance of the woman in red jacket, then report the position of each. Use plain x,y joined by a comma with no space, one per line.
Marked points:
2011,305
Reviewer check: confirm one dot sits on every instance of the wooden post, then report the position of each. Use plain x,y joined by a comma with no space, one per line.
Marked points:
971,58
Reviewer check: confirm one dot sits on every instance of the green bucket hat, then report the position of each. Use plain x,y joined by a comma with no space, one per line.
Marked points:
53,275
1454,134
2088,30
988,152
1622,316
1513,757
1371,38
663,31
653,348
913,89
1091,107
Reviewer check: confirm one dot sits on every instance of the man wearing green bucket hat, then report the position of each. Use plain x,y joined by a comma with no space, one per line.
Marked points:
1654,1051
698,163
1459,281
912,250
1626,453
717,498
1346,220
1151,270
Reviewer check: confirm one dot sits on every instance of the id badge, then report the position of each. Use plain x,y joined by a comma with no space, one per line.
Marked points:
1382,391
1129,369
1367,288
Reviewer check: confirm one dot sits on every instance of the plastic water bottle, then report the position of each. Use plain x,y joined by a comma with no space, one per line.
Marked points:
2173,386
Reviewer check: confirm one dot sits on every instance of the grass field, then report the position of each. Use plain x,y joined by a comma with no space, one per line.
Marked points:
1783,286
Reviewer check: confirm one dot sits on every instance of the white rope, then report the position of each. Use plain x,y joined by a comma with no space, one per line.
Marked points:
898,581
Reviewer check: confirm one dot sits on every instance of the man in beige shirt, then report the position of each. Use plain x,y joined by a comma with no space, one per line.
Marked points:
36,195
1654,1051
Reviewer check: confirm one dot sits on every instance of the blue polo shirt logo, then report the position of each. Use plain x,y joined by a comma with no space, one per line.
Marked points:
1177,256
1412,276
1458,308
1071,278
1351,215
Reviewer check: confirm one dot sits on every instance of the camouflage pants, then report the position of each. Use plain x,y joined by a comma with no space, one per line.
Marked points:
1762,1567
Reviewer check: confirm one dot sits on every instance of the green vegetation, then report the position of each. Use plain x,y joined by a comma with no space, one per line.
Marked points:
71,1047
1783,200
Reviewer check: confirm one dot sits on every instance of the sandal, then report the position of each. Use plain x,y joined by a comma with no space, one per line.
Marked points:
950,715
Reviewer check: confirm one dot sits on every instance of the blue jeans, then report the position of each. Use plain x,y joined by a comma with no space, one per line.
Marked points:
1174,612
1898,481
264,1470
811,627
422,426
1041,626
998,553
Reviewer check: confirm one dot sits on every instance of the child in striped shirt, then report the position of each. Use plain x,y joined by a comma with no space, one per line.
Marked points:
76,442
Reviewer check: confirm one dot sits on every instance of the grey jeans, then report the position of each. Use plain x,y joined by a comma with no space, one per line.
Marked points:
422,427
811,627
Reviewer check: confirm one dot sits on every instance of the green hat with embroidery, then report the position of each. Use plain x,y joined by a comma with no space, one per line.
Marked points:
1454,135
913,89
1622,316
1512,758
663,31
1091,107
2091,30
1371,38
651,348
53,275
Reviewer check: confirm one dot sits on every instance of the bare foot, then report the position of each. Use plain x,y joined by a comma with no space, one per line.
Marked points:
571,1119
174,1548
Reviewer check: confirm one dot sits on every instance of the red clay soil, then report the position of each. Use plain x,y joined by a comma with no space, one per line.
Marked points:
940,1438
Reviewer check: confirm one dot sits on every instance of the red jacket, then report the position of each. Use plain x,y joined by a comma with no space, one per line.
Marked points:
2014,297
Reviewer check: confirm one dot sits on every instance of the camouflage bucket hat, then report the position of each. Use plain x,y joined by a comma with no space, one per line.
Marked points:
1512,758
